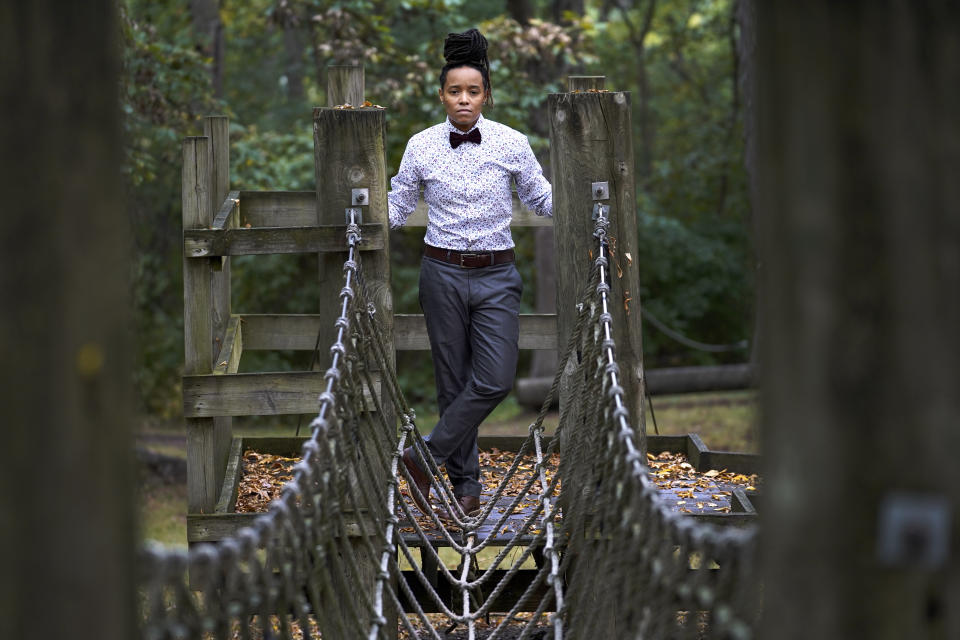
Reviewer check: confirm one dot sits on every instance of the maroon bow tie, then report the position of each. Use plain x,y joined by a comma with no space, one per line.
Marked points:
456,139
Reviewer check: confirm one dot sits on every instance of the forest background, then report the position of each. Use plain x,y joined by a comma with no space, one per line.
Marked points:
263,63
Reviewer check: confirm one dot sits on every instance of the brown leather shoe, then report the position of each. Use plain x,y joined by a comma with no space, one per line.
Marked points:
469,504
420,479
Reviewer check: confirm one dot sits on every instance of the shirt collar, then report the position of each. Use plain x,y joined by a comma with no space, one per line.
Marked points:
476,125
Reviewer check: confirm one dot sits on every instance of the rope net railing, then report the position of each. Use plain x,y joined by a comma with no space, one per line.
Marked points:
336,556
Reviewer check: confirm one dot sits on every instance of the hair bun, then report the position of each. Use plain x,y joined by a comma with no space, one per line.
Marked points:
469,46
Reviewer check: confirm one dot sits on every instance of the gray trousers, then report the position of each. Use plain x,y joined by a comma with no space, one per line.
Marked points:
472,320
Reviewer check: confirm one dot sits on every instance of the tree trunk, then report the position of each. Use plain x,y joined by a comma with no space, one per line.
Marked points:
67,535
293,45
638,36
209,29
746,56
858,155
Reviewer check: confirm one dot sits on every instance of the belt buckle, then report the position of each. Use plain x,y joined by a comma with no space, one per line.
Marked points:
467,255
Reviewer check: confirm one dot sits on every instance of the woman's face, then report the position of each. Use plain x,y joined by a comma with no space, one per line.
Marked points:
463,96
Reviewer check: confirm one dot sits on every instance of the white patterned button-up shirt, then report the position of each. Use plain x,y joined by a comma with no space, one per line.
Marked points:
467,189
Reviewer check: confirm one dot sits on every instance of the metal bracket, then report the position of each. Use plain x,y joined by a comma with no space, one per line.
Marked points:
354,215
914,530
360,197
600,210
601,190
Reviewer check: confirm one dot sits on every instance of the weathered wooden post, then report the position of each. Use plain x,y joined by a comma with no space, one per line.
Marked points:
859,229
67,506
590,143
217,129
349,155
202,448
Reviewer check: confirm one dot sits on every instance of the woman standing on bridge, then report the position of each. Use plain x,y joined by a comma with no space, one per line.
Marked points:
469,284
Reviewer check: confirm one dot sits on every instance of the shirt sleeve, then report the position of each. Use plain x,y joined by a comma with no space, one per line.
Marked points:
404,188
532,187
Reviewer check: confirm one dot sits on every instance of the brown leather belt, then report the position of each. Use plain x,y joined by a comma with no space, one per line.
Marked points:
469,259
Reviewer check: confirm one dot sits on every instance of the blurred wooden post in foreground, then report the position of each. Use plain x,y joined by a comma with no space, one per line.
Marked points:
66,504
859,226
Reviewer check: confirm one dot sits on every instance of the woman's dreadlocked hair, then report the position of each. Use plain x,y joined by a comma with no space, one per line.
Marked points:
467,49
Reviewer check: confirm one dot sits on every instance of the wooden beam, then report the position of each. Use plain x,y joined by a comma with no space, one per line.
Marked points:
204,243
202,445
299,209
253,394
280,332
298,332
278,208
227,501
219,526
232,348
226,217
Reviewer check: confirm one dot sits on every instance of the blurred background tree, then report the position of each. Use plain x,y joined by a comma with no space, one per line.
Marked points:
262,63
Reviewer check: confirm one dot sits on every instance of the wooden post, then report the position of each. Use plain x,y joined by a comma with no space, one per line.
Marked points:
217,128
859,229
202,473
67,534
585,83
591,141
345,85
350,153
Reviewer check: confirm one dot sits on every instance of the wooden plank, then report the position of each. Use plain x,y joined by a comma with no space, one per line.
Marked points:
217,128
299,209
219,526
197,294
202,449
746,463
226,214
204,243
288,446
232,348
227,501
537,331
291,445
278,208
253,394
280,332
507,443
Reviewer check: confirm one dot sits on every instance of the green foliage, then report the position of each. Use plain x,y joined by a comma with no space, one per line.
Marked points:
695,254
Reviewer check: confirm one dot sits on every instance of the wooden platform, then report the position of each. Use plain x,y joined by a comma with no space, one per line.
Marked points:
224,522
